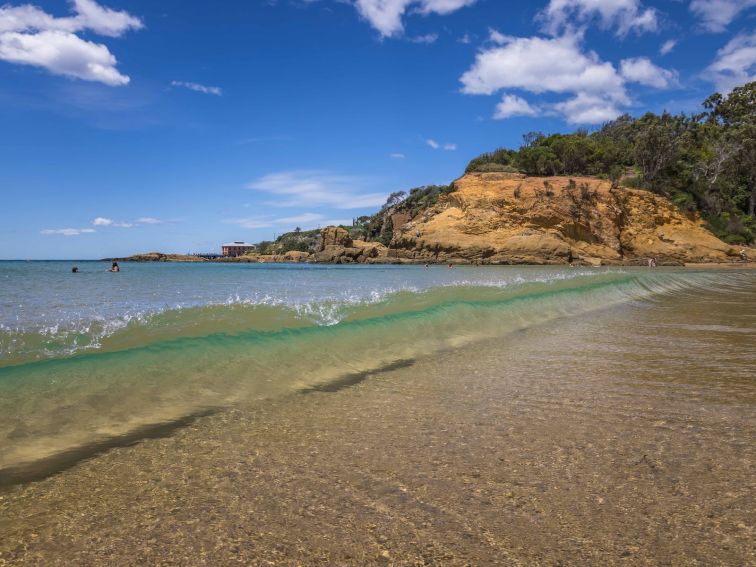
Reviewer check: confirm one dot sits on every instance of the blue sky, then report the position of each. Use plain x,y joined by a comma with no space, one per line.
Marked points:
176,125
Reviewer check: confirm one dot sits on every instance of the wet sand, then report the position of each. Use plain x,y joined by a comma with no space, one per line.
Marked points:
626,437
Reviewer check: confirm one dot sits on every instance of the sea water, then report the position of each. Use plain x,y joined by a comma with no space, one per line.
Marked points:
93,359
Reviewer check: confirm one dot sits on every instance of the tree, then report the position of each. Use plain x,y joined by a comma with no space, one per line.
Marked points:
737,114
657,144
394,199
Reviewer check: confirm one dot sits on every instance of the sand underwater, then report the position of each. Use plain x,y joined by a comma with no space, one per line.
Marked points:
502,416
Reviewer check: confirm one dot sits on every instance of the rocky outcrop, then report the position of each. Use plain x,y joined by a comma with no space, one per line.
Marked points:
160,257
334,236
512,219
338,247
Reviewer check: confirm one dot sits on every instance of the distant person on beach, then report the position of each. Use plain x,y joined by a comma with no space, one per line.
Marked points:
115,267
743,255
74,270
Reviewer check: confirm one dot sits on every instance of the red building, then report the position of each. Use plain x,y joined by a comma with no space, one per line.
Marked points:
237,248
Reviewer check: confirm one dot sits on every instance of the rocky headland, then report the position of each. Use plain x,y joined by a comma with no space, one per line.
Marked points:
511,218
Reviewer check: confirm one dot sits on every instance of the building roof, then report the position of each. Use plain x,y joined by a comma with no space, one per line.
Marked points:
238,243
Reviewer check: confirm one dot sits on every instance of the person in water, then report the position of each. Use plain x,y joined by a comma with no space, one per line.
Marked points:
74,270
114,267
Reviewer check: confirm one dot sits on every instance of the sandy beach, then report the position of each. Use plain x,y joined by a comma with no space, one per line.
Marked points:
615,449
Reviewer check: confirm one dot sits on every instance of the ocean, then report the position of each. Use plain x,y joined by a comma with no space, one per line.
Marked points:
93,360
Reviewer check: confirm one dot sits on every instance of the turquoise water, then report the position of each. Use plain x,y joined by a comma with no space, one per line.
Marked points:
92,358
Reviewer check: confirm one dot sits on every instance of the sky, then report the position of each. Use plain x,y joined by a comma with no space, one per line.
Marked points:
178,125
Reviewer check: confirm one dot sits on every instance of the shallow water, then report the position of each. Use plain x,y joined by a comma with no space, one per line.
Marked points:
606,421
94,359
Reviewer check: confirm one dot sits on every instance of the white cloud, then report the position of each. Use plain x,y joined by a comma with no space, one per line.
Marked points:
67,231
217,91
513,105
426,39
30,36
667,46
587,109
549,65
716,15
302,188
436,146
102,20
735,63
104,221
642,70
386,15
305,221
623,15
542,65
397,155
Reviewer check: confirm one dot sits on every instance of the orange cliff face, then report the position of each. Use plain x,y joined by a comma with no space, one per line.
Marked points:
511,218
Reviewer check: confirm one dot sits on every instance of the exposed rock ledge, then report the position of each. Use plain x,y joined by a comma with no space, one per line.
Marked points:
513,219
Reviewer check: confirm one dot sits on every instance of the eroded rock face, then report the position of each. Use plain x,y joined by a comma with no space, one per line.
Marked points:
510,218
351,251
334,236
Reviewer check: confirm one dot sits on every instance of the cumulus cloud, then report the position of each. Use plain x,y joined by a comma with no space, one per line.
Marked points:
217,91
66,231
642,70
597,91
585,108
542,65
305,221
622,15
303,188
735,63
386,15
716,15
547,65
30,36
513,105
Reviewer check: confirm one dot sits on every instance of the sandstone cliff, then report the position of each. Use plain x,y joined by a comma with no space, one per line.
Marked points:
510,218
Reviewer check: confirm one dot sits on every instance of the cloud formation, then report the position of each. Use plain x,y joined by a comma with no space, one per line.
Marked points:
303,188
436,146
716,15
386,15
217,91
513,105
667,46
67,231
31,36
596,90
641,70
104,221
735,63
624,16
